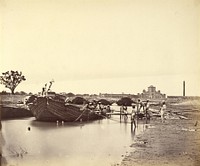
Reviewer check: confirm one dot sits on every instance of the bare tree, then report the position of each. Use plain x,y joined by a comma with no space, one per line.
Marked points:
11,79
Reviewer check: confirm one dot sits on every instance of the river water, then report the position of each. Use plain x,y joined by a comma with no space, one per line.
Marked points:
102,142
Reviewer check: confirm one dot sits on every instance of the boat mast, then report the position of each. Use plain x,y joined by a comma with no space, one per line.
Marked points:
45,90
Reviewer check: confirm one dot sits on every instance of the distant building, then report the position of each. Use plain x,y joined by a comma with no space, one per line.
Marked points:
108,95
151,93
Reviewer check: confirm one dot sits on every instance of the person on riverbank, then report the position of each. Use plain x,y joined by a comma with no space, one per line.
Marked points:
121,109
108,110
100,107
133,114
138,106
125,111
147,105
162,111
140,109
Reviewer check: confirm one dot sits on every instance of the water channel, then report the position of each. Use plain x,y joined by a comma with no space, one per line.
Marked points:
102,142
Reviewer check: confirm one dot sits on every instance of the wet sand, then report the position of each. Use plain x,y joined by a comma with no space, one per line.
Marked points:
173,143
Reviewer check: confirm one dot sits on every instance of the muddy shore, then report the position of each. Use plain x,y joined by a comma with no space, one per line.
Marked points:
13,112
11,109
173,143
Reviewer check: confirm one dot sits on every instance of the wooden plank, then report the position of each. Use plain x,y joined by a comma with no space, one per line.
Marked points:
183,117
118,114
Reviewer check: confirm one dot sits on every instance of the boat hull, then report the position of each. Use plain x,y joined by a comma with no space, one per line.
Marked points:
47,109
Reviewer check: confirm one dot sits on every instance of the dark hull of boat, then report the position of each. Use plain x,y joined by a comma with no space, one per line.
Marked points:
46,109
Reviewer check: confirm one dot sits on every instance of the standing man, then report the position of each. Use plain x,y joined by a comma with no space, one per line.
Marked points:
147,105
100,107
133,113
162,111
125,111
138,106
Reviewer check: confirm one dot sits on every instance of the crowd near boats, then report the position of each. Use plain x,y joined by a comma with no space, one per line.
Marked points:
48,106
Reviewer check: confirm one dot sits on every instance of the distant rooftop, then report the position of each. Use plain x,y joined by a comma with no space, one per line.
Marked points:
151,86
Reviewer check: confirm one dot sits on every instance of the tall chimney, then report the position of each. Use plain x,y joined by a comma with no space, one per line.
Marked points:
183,88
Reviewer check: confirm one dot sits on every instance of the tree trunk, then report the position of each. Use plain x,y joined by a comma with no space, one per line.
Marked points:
12,91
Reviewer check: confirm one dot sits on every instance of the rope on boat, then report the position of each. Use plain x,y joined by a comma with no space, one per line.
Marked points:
100,115
80,115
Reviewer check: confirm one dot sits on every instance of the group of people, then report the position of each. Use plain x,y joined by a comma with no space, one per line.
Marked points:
98,106
142,109
139,110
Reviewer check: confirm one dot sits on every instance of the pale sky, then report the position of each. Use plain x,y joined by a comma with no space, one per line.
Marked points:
107,46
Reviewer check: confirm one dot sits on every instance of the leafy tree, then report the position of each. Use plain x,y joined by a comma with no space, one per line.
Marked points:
125,101
11,79
22,93
70,94
30,93
79,100
104,102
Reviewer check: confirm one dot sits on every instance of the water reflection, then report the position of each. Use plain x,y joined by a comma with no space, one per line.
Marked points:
3,161
133,133
53,125
100,142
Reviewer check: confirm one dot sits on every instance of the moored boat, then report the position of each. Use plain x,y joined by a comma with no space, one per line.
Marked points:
46,108
50,106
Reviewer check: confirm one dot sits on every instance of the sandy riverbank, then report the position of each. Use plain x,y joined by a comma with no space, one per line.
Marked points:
173,143
10,109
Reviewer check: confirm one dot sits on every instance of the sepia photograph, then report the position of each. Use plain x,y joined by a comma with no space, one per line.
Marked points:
100,82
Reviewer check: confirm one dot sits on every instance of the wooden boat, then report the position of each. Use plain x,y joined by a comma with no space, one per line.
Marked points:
50,106
46,108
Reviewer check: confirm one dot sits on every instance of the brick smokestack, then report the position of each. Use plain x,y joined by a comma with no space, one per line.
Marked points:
183,88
